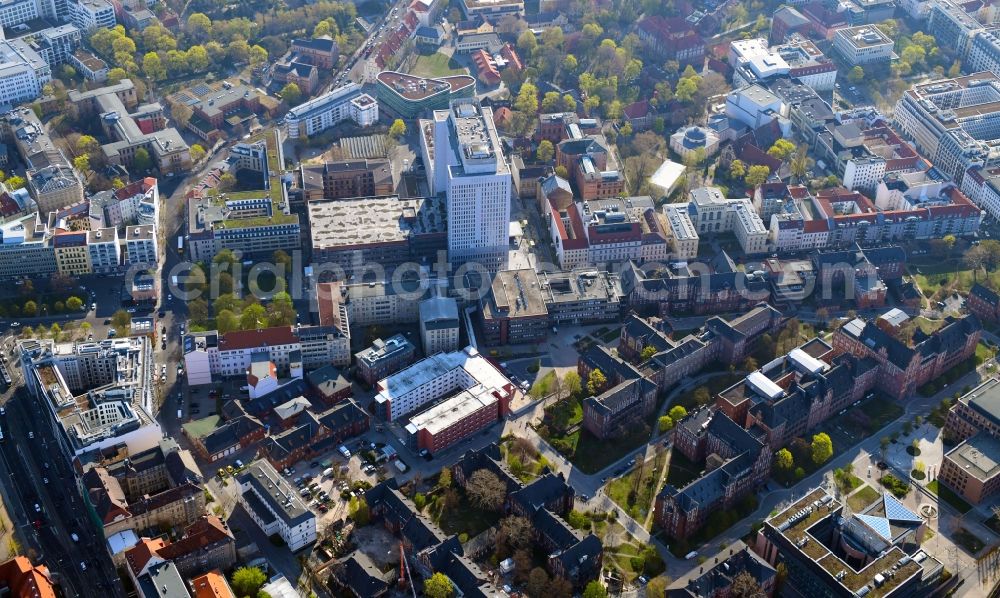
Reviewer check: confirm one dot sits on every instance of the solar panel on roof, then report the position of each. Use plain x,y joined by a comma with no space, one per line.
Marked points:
201,89
879,524
897,511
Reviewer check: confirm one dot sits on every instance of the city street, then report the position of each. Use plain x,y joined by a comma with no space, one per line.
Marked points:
36,469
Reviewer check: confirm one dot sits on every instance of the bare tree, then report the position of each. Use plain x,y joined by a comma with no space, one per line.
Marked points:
515,532
746,586
485,490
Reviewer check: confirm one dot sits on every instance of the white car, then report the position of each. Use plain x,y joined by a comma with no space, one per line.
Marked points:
31,434
38,509
83,566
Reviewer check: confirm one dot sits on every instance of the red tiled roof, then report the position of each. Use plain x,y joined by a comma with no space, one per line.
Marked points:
25,580
815,226
248,339
211,585
139,555
637,110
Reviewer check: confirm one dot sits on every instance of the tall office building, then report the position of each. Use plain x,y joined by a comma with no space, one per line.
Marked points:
467,164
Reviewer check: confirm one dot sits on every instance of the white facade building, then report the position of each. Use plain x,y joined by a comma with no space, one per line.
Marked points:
93,14
754,106
864,173
14,13
23,73
683,234
437,376
469,166
711,212
275,505
863,45
343,103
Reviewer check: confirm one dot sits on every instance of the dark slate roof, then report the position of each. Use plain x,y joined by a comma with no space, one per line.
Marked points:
541,491
987,294
280,446
948,338
387,496
558,531
342,414
743,446
467,575
885,255
736,559
422,533
229,433
328,380
319,44
584,555
359,573
636,327
614,369
579,147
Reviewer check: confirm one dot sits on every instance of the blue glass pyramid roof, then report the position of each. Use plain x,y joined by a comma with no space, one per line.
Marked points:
879,524
897,511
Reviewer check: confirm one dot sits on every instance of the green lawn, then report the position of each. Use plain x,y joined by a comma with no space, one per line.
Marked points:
682,470
940,279
967,540
466,518
635,491
946,494
862,498
437,65
983,352
592,454
714,385
543,385
564,414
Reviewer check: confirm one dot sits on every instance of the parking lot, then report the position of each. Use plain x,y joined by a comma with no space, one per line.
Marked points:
328,483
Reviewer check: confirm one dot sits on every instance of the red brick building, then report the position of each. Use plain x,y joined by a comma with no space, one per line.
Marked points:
456,418
984,302
908,363
672,39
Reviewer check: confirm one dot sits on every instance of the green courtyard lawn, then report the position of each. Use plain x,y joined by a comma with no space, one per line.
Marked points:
681,471
862,498
717,522
967,540
437,65
635,491
942,278
714,385
592,454
463,518
544,385
947,495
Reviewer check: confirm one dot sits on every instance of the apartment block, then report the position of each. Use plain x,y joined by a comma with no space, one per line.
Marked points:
347,102
275,505
863,45
906,359
346,179
384,358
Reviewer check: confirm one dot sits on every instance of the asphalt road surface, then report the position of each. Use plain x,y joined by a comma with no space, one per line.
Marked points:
37,474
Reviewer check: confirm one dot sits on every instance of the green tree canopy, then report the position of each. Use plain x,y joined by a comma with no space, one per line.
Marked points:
291,94
821,448
247,581
438,586
783,459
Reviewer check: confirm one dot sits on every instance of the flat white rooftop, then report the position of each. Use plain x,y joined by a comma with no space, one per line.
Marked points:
428,370
447,413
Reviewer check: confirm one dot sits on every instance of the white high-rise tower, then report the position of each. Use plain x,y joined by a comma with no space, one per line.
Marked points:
469,166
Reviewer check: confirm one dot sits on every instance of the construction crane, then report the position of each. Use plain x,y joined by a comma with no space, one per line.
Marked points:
405,566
